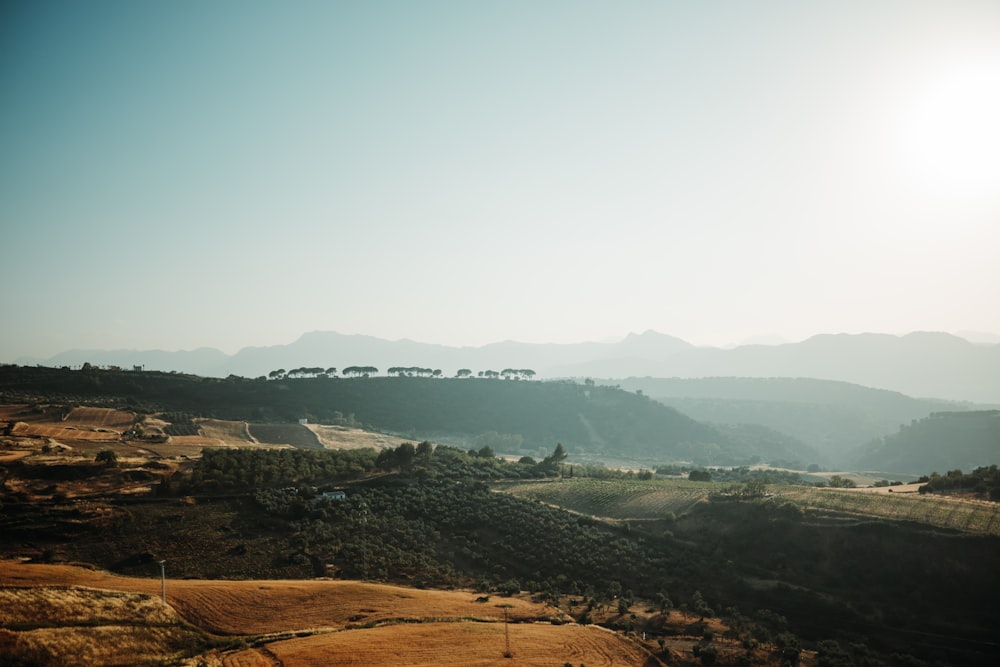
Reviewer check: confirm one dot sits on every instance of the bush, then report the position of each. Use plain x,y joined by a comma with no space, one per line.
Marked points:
107,457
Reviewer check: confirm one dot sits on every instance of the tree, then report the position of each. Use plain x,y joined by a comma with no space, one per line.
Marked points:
425,450
107,457
463,373
550,463
386,460
405,454
622,606
708,655
838,482
700,606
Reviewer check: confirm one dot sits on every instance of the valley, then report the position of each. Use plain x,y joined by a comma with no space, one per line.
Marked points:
427,543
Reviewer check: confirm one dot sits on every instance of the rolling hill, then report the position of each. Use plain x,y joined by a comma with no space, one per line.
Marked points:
940,442
833,418
524,418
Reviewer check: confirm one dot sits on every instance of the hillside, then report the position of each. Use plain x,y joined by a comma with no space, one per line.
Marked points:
941,442
513,417
775,570
834,418
68,615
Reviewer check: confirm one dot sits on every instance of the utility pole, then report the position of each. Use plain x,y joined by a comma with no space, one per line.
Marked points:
163,580
506,631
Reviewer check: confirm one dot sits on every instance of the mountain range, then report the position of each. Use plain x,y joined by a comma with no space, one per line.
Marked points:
921,364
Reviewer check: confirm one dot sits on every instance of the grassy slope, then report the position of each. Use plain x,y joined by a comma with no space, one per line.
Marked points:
595,421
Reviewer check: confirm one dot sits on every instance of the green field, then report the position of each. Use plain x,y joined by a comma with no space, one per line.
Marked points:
980,518
618,499
656,499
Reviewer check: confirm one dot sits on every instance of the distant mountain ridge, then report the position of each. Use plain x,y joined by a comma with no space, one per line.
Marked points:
921,364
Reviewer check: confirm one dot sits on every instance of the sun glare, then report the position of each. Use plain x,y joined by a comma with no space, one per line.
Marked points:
950,135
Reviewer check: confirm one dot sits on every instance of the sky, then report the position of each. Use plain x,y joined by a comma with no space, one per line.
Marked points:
177,175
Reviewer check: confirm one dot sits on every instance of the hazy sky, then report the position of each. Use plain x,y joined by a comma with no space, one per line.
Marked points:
185,174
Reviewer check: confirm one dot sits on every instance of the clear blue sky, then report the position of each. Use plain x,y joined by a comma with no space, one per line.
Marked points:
185,174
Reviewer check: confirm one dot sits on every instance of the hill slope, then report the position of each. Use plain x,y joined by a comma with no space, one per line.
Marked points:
526,418
834,418
941,442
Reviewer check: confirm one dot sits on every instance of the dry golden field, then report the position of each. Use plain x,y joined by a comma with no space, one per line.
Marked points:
64,614
81,424
20,412
226,432
63,433
259,607
117,420
60,625
343,437
463,644
85,428
216,433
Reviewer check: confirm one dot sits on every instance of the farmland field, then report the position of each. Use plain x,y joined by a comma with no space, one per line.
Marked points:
19,412
118,420
296,435
215,433
60,625
653,499
62,614
23,430
225,432
942,512
263,606
463,644
344,437
618,499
